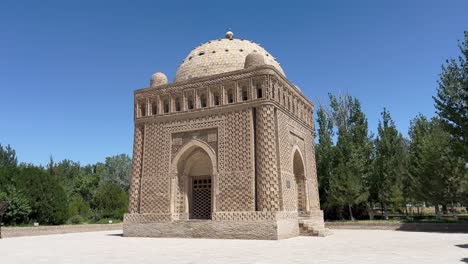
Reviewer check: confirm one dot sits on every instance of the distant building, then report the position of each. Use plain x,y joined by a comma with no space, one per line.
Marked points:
225,151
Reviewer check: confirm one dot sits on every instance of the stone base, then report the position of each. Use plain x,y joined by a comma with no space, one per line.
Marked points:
281,226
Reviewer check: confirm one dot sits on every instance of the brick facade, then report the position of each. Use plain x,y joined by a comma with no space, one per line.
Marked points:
240,129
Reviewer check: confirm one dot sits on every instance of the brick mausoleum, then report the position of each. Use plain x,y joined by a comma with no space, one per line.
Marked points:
225,151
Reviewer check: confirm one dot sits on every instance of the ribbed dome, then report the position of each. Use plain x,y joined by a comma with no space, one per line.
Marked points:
219,56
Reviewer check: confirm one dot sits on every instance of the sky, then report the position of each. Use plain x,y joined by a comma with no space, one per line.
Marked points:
68,69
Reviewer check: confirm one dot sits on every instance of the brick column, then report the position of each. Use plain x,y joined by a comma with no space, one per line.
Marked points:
267,186
136,170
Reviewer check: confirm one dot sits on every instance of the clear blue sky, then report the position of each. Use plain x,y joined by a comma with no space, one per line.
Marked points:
68,69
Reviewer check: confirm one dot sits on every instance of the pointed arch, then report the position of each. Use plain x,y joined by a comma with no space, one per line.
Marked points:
298,168
193,164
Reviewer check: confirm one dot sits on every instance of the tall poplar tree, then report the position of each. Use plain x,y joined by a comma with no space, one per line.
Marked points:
324,154
352,153
388,165
452,99
439,174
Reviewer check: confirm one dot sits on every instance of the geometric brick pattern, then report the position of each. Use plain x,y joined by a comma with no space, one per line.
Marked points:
236,180
253,216
136,171
266,160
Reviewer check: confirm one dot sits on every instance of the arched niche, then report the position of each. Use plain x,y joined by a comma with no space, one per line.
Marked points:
194,169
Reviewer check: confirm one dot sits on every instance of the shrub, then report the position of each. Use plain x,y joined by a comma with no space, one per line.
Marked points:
46,196
110,201
18,209
78,207
76,219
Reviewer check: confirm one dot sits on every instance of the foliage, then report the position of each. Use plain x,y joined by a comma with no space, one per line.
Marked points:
116,169
78,207
324,155
18,210
344,170
46,196
388,166
7,157
451,101
438,172
110,201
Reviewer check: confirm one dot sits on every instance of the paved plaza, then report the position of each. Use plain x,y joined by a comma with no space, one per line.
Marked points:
346,246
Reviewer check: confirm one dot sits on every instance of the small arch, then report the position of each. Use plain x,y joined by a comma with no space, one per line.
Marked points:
230,96
190,102
203,101
166,106
299,177
177,104
216,98
142,109
245,94
154,108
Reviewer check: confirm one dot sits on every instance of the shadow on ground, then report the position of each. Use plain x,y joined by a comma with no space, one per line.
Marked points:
119,234
434,227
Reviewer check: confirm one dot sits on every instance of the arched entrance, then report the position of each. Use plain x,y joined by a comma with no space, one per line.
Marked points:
298,170
194,186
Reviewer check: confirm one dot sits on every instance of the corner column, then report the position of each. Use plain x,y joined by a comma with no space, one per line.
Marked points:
134,203
266,160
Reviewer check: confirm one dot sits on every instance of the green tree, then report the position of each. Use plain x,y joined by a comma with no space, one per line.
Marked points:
116,169
45,195
352,153
7,157
86,185
110,201
388,166
324,155
67,172
439,174
78,207
18,210
452,99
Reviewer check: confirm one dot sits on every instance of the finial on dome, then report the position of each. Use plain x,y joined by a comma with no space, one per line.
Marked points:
229,35
158,79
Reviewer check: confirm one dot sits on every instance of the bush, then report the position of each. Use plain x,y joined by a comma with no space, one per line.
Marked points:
76,219
18,209
78,207
46,196
110,201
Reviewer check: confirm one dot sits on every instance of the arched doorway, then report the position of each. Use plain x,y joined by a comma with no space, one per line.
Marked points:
298,170
194,189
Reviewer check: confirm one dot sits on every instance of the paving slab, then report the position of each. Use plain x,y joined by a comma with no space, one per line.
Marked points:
345,246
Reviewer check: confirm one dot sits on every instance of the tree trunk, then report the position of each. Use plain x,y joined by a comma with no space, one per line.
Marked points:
370,211
350,212
384,209
444,209
437,211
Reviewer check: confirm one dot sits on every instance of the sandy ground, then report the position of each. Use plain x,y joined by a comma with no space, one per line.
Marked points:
345,246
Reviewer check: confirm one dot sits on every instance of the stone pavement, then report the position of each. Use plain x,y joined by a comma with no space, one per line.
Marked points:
345,246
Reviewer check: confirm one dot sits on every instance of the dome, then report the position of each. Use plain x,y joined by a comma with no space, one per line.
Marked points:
254,59
220,56
158,79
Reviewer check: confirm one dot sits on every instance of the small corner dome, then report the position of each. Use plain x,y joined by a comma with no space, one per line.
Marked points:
254,59
158,79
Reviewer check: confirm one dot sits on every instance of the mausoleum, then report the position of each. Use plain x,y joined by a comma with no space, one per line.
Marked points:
224,151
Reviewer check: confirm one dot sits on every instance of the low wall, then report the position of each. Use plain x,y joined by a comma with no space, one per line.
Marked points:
60,229
415,227
261,229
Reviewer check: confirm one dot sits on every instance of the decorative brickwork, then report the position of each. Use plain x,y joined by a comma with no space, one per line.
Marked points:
136,171
266,160
227,145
